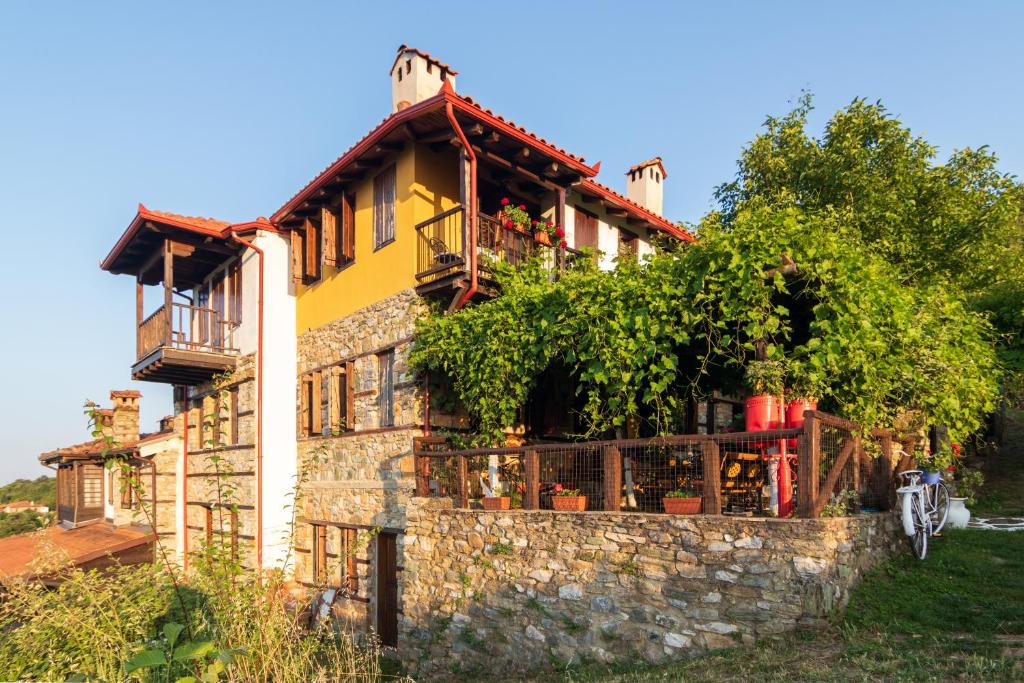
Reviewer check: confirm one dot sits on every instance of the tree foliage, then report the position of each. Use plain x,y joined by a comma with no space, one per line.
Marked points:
644,338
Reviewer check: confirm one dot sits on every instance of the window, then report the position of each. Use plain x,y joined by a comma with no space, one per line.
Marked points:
628,244
585,230
92,486
233,406
384,207
327,400
129,489
306,248
386,387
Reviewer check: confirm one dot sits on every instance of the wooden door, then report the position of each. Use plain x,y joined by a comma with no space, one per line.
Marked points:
387,589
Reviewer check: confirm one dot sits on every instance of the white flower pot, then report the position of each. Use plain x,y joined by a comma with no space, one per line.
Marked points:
959,515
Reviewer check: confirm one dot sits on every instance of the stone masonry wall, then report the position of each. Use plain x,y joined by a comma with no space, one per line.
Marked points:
521,590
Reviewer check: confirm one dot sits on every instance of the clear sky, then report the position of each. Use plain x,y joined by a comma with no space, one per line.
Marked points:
226,109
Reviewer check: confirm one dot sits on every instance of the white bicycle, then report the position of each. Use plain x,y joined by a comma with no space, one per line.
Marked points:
918,511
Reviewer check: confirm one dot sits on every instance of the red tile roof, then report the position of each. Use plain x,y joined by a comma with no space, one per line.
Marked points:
426,55
76,546
125,393
656,161
194,222
86,449
463,103
629,205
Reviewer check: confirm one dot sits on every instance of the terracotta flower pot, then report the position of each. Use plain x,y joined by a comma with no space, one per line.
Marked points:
683,506
542,237
497,503
569,503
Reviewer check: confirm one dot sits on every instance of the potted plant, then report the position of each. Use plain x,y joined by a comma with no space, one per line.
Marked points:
801,401
933,464
546,232
968,484
762,411
681,502
568,500
513,217
495,500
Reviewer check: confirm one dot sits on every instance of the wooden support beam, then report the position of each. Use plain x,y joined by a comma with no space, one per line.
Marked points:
168,288
711,458
531,467
463,479
550,170
138,314
808,463
612,490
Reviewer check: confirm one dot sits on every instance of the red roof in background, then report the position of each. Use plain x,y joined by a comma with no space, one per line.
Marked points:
611,195
125,393
426,55
86,449
76,545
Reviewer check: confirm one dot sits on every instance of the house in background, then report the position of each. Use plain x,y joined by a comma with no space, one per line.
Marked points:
23,506
220,330
100,519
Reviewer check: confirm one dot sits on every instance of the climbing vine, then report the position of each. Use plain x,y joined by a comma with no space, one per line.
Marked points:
641,340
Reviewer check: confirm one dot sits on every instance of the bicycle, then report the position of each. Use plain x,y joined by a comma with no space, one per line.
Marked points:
936,496
917,523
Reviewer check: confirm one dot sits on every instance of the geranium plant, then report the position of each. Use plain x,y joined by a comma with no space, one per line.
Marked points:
682,493
562,491
515,216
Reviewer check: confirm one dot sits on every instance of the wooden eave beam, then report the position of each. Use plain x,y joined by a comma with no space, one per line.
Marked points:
516,168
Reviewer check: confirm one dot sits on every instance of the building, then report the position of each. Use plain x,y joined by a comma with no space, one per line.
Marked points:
100,518
417,211
221,329
22,506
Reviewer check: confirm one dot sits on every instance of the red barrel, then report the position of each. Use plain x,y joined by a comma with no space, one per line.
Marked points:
795,414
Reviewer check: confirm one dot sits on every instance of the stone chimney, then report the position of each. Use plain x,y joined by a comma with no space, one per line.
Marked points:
416,76
646,184
125,422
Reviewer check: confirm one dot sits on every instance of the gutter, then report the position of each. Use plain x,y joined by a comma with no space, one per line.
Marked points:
468,149
259,403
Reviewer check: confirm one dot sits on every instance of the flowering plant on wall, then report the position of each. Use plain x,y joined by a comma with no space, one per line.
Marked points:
562,491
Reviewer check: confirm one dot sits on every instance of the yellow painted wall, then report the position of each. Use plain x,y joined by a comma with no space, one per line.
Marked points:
427,183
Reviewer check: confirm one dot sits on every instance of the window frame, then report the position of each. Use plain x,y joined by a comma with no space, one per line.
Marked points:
385,195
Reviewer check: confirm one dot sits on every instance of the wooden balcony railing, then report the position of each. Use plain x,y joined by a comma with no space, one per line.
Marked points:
441,249
730,471
188,328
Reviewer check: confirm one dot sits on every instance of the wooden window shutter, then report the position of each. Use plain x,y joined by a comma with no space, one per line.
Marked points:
209,524
234,415
349,395
305,397
311,242
384,207
351,574
316,404
334,399
234,534
348,226
319,552
296,243
329,225
126,490
585,230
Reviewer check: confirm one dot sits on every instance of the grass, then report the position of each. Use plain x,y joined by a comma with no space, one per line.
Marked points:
959,615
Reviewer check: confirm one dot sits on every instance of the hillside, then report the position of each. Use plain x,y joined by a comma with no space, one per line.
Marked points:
42,490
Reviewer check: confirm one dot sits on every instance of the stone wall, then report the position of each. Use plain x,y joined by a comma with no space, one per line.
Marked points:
521,590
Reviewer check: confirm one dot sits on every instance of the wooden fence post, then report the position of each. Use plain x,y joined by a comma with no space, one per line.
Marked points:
885,491
531,465
808,465
858,450
422,475
612,492
463,483
712,478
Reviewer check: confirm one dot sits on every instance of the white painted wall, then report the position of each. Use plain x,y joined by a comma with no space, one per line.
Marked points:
279,378
607,233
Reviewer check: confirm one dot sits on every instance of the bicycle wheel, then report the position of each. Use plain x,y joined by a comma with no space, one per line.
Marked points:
940,507
919,541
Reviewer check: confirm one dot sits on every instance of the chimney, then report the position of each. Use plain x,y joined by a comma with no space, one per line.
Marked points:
646,184
126,416
416,76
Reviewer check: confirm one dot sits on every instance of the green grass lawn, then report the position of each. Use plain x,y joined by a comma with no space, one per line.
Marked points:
959,615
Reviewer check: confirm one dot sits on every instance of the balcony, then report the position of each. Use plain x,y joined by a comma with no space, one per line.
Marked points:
184,345
442,251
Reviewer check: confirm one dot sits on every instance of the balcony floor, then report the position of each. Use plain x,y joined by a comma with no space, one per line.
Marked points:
178,366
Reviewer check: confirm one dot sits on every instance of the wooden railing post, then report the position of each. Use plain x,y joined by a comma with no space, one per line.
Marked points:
612,492
712,478
422,475
531,474
885,492
463,483
856,457
168,287
808,464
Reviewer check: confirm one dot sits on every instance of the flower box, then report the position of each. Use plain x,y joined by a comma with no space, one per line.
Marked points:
569,503
542,237
497,503
683,506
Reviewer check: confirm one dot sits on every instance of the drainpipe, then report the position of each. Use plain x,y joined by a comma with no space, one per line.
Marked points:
464,299
259,403
184,488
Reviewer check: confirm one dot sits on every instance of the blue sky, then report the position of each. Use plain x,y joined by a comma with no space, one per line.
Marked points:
226,109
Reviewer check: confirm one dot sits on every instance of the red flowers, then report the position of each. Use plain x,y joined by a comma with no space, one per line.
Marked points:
522,207
951,468
558,488
504,201
564,244
509,224
956,449
534,222
559,232
548,224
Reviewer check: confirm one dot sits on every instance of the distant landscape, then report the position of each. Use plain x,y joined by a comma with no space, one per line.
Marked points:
42,490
